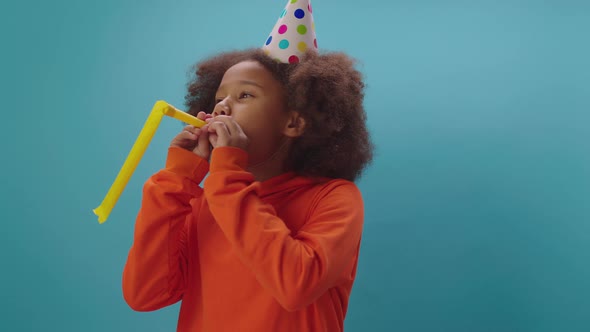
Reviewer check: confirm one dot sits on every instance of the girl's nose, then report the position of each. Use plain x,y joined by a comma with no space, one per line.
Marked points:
221,109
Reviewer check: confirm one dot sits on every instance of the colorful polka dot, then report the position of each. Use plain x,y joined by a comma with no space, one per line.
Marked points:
302,29
283,13
283,44
309,8
299,13
302,46
313,26
268,40
283,29
293,59
293,1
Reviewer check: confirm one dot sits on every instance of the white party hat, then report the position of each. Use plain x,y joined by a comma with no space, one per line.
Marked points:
293,34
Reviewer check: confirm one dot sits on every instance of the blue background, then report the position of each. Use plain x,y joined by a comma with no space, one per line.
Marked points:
477,204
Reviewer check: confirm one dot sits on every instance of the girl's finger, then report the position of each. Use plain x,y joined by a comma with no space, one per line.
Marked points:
231,125
203,140
189,128
185,134
194,130
202,115
219,128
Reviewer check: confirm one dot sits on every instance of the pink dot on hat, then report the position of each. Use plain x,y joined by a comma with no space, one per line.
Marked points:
283,29
293,59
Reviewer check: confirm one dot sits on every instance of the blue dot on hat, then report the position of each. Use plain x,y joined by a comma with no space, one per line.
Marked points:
268,40
299,13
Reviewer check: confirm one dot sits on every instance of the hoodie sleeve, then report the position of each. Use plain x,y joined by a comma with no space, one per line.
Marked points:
295,268
156,268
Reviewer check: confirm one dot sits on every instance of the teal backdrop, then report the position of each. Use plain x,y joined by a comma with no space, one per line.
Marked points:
477,204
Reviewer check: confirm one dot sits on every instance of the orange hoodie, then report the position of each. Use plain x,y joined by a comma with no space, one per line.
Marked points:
242,255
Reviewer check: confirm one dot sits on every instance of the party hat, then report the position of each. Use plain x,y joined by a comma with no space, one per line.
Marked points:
293,34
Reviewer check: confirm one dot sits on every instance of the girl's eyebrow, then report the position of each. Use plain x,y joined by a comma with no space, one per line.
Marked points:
243,82
250,83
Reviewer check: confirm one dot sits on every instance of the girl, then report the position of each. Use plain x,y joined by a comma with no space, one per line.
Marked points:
270,242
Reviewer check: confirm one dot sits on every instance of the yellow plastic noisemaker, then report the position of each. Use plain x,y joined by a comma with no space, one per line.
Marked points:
152,123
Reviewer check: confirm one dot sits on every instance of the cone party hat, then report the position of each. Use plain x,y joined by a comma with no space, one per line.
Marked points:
293,34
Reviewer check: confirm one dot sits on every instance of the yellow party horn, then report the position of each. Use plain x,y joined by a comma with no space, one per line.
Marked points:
152,123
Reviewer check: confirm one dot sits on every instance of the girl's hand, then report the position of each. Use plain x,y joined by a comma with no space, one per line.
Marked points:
194,139
225,131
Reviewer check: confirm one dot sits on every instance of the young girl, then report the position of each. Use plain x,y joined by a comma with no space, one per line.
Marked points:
270,242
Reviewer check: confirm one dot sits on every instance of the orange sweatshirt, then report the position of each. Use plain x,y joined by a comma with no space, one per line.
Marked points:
242,255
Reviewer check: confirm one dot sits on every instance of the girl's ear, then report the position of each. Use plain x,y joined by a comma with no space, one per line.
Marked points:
295,125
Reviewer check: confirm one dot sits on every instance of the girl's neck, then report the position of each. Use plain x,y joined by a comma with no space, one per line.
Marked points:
273,166
264,173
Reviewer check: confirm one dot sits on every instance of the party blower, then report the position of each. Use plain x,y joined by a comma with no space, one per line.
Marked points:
152,123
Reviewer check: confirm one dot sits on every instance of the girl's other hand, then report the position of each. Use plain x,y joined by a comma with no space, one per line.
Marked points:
225,131
194,139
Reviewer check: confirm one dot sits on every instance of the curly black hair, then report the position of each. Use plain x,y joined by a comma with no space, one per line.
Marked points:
325,89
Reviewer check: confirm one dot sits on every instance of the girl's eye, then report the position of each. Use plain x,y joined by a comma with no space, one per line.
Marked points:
245,95
218,100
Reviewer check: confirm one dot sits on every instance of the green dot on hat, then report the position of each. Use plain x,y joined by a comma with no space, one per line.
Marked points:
283,44
302,29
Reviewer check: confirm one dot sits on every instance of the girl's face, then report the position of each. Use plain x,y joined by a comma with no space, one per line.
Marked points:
251,95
